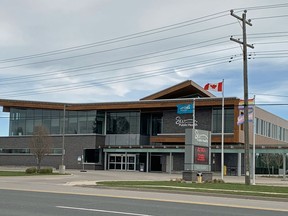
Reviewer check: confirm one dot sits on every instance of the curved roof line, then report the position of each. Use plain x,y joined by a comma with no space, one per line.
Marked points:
181,90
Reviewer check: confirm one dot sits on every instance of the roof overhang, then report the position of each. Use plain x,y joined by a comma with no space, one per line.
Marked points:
145,104
181,90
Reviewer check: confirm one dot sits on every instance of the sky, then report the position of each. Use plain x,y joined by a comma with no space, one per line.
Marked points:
82,51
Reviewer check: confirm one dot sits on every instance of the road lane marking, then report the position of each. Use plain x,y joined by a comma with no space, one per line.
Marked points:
100,210
151,199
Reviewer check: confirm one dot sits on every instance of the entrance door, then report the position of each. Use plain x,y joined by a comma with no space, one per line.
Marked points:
119,162
156,163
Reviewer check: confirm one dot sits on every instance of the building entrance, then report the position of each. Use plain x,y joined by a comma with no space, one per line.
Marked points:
122,162
156,163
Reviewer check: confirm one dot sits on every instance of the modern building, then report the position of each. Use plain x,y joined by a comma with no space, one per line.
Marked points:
146,135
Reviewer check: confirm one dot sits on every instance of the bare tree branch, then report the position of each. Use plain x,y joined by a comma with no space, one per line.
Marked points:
40,144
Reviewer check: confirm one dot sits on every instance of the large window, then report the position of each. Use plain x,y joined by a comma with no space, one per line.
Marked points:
123,123
26,151
92,156
145,124
99,123
156,124
72,122
23,121
273,131
228,120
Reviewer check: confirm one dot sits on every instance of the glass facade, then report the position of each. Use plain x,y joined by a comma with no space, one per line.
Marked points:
123,122
228,120
3,151
157,124
23,121
145,127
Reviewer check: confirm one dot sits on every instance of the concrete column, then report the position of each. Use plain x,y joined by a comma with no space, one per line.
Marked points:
170,162
125,161
105,160
239,164
147,162
284,166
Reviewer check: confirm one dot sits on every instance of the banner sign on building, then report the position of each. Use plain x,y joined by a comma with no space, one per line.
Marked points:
251,103
240,119
185,122
184,108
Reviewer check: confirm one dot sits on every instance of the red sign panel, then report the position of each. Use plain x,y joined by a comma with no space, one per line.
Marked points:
201,155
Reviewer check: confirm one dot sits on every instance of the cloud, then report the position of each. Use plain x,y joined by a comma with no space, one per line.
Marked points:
135,71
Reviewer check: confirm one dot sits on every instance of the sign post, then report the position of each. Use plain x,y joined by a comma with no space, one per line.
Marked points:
197,154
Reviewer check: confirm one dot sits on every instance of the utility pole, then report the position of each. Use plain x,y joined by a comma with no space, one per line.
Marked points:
245,77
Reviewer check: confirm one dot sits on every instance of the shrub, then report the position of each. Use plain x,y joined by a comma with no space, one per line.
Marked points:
31,170
45,170
215,181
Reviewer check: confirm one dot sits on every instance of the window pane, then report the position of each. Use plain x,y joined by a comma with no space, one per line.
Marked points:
228,120
123,123
92,156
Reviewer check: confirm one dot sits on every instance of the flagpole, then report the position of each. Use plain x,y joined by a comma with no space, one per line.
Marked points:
254,143
193,113
222,134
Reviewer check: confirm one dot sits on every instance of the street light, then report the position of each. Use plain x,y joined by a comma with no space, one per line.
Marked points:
62,166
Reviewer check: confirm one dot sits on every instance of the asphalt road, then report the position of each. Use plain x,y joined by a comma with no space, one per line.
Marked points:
25,203
59,195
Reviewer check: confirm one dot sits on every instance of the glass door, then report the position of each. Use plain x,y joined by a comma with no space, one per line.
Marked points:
119,162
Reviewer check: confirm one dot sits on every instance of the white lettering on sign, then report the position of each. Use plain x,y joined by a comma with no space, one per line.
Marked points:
201,137
184,122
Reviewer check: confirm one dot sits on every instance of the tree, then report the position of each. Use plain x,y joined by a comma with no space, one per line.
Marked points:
267,159
40,144
278,160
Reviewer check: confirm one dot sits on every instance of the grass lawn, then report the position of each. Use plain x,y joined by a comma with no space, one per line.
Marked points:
22,173
219,188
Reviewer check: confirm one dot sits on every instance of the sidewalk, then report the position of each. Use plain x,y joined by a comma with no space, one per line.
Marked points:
92,176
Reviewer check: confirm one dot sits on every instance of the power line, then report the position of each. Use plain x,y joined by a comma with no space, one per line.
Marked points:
127,60
270,36
109,80
263,7
93,53
269,17
141,34
119,39
271,42
42,77
128,75
272,95
119,61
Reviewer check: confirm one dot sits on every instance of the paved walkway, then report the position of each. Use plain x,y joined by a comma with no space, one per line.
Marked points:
91,176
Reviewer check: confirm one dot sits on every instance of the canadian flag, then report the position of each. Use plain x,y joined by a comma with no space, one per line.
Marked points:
214,87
